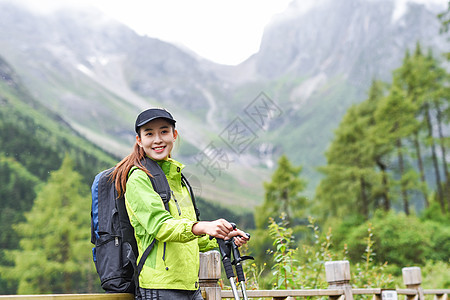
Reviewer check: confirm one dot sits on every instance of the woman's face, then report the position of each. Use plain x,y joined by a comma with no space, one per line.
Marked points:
157,138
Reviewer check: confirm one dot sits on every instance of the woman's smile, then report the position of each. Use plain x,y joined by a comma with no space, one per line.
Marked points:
159,149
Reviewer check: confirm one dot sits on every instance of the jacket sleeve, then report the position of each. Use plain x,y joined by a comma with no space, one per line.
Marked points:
205,244
148,215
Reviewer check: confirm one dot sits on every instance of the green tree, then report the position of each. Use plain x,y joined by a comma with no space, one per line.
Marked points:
427,85
377,148
386,132
445,20
282,195
54,255
406,76
351,183
346,185
282,198
439,103
17,193
424,85
395,121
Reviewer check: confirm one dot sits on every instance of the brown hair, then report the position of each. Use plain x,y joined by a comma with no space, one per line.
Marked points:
120,173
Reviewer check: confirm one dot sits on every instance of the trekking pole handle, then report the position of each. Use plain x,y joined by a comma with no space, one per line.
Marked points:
232,224
234,227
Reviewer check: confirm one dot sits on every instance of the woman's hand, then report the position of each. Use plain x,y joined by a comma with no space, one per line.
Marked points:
221,229
240,237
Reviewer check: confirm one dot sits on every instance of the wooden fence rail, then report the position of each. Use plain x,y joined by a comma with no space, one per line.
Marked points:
337,276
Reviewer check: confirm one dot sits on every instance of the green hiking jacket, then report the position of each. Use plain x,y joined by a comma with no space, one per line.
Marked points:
173,263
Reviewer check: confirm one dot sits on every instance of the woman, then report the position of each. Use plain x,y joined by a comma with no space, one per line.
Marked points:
171,269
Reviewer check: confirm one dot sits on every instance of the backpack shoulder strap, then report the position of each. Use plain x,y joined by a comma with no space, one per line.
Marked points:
161,186
104,197
191,192
159,180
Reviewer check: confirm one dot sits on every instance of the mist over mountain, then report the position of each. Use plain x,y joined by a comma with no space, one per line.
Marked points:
98,74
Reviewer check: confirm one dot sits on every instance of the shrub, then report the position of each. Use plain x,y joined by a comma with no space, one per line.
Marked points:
398,239
303,268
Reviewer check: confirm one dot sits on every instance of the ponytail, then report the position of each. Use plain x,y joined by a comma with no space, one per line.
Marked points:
121,170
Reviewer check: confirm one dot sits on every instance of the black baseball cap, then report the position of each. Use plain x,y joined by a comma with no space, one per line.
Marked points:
152,114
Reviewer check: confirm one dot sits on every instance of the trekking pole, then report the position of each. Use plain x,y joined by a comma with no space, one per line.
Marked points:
225,251
237,264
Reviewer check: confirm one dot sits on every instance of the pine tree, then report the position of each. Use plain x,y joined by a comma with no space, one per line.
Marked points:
407,77
55,250
351,183
445,21
386,132
282,195
437,94
395,121
346,185
427,84
17,193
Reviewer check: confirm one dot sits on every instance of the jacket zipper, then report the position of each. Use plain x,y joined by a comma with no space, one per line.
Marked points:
176,203
164,253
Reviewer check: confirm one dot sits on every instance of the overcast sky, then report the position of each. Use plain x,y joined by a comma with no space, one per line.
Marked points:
224,31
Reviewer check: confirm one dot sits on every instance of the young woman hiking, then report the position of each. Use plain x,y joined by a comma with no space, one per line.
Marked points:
171,269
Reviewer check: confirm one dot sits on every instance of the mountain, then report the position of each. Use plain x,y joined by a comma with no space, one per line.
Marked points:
321,57
356,40
234,121
31,133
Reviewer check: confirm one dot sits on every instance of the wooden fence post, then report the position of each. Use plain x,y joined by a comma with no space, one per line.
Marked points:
412,278
338,277
209,275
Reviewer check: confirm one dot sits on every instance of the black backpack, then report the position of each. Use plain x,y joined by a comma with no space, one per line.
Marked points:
115,250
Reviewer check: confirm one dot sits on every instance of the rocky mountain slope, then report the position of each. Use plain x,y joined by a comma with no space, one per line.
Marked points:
234,121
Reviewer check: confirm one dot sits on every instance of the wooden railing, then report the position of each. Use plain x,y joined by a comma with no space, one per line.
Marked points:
337,276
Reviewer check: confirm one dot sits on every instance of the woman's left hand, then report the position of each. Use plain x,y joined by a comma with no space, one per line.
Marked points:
240,237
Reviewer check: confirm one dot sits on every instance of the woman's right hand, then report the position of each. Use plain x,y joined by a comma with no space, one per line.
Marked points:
221,229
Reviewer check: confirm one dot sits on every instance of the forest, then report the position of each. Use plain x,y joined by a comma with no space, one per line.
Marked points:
384,200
